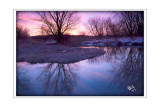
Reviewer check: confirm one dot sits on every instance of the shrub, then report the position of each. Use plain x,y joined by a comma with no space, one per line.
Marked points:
22,33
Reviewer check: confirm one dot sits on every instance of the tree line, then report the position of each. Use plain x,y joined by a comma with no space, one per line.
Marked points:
57,23
129,23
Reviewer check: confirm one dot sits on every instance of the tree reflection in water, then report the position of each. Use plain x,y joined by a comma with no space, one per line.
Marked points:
131,71
59,79
126,68
21,83
128,64
112,55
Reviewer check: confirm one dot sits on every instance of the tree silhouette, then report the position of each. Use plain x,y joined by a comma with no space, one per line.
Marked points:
21,32
59,22
133,21
95,26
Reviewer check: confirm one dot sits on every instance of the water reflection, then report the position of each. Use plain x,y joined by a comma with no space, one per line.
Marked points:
128,64
58,78
118,72
21,83
112,55
131,71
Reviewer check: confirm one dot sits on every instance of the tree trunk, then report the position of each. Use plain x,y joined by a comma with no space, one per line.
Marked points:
59,40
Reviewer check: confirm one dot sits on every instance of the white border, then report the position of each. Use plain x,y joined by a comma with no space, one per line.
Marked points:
145,51
14,52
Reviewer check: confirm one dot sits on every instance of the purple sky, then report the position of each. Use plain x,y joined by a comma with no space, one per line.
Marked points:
34,26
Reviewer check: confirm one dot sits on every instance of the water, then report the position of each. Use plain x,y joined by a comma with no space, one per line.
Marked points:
120,72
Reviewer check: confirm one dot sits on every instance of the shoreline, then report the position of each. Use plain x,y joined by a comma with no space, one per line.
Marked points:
41,53
48,51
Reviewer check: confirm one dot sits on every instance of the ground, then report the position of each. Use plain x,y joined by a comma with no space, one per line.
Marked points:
127,41
42,49
41,53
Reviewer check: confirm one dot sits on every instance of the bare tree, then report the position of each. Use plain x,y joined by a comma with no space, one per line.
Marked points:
128,20
45,31
58,22
95,26
133,21
107,29
100,27
139,20
21,32
116,28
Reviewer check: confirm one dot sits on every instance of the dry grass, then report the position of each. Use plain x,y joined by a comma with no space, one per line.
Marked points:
40,53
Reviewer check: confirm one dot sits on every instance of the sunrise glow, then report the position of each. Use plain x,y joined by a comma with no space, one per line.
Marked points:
30,21
73,32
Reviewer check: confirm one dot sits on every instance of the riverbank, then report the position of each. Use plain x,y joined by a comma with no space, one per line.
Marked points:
77,41
43,53
43,49
124,42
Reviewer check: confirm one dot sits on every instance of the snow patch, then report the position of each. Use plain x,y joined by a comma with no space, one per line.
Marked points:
112,42
50,42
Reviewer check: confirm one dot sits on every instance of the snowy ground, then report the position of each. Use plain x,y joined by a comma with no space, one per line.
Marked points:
136,41
41,53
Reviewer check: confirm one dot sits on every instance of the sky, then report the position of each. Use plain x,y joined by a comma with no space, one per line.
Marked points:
27,20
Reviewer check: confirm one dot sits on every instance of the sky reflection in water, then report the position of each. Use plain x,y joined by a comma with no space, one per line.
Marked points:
109,74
